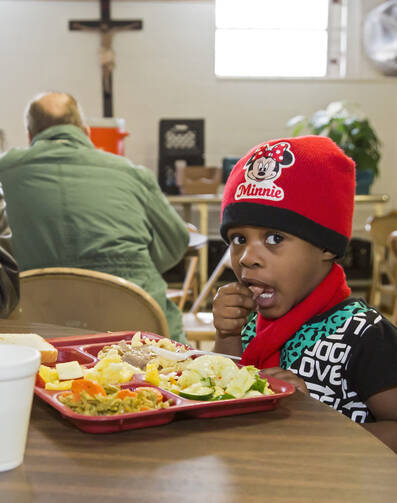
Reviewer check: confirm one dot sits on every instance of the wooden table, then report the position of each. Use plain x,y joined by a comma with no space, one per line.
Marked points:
203,201
302,452
196,241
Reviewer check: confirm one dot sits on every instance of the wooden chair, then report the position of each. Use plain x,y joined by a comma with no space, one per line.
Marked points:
380,228
87,299
189,287
392,243
199,326
190,283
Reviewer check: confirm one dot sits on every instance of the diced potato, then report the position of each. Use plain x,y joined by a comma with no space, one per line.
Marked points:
126,372
69,370
152,375
116,373
64,385
111,372
108,360
92,375
48,374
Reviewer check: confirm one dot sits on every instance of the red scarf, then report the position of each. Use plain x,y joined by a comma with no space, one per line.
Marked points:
264,349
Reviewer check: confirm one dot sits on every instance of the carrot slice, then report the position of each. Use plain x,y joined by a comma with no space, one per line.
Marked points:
90,387
124,393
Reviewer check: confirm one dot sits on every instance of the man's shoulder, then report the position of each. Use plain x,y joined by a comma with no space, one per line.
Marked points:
141,173
123,163
65,148
12,157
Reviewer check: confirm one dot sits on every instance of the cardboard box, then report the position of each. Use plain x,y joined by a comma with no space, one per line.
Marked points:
198,179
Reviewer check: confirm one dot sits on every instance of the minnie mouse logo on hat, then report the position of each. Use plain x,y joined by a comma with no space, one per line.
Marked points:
262,169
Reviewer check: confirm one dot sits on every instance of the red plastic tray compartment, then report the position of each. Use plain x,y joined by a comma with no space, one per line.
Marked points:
70,353
242,405
85,348
118,422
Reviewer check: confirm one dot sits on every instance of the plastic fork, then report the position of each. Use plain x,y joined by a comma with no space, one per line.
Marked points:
180,356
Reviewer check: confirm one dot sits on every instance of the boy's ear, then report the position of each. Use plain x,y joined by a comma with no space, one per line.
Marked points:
328,256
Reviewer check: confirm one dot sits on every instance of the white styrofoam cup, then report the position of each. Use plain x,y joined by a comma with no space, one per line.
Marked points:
18,367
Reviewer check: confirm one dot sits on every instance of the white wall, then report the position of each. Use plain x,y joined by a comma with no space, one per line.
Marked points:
166,71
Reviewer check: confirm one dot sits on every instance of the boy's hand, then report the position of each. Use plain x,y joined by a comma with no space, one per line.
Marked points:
231,307
288,376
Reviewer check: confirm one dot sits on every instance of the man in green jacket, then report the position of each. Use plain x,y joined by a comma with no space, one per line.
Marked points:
72,205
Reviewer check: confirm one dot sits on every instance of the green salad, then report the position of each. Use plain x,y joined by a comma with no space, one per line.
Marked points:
213,377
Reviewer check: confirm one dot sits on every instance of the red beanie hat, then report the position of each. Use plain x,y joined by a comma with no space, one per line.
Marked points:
304,186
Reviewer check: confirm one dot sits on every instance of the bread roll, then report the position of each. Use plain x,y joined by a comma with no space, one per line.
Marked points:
49,353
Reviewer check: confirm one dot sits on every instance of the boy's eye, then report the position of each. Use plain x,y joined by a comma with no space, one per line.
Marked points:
237,239
274,238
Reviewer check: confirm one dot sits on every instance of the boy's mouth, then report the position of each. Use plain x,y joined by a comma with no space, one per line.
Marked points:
264,295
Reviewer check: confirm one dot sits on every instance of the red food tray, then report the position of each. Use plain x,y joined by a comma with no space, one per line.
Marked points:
85,348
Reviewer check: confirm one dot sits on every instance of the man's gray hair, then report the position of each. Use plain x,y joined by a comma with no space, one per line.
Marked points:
39,118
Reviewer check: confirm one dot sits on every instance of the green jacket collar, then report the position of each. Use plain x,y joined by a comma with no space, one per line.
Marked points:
65,132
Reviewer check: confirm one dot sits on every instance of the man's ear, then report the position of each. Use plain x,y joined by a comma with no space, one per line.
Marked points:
87,131
328,256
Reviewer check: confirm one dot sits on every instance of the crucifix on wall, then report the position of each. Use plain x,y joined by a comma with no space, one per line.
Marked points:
107,27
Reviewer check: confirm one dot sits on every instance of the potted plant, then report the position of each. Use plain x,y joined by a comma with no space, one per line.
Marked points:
352,132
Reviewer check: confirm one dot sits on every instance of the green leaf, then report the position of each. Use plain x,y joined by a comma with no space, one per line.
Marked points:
225,396
259,384
336,135
345,125
298,130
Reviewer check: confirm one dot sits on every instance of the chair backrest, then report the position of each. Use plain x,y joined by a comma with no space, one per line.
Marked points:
380,227
225,262
392,242
87,299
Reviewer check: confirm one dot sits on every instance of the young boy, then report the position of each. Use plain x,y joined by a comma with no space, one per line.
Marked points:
287,214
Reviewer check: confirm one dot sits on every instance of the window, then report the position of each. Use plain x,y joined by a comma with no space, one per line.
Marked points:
280,38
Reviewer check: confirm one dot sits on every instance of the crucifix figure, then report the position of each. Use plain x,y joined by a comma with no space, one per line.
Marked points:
107,27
